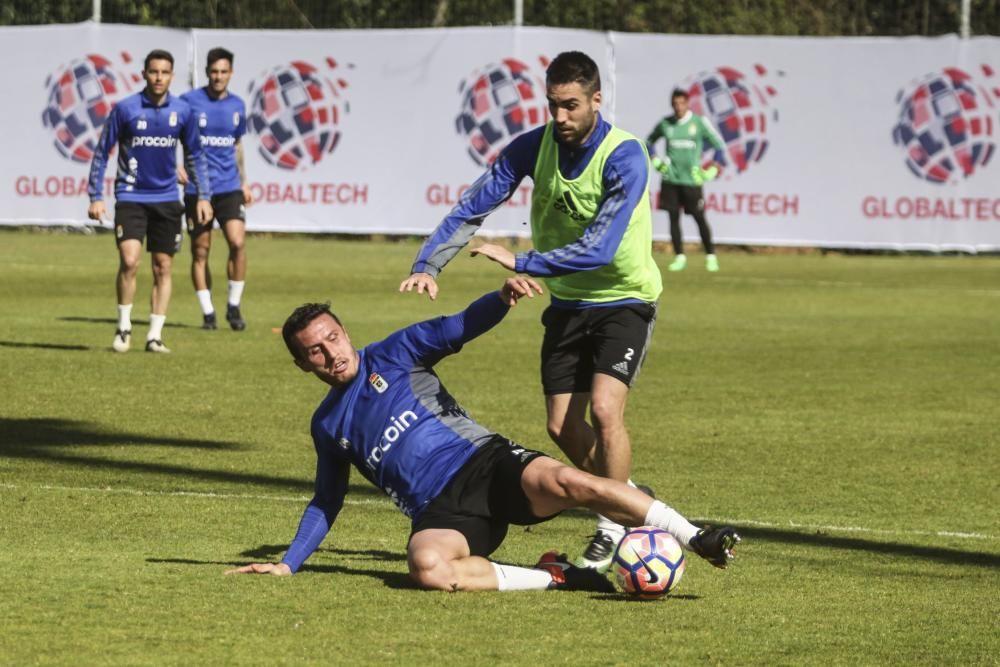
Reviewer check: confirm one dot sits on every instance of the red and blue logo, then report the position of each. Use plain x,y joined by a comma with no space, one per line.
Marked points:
81,95
296,110
499,102
946,124
741,108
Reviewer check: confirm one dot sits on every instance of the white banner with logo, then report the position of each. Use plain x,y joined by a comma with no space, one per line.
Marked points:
868,143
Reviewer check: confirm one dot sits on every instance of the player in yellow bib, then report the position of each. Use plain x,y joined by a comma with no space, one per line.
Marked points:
592,231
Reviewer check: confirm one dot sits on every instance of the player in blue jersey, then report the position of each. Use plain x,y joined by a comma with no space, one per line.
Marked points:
389,415
146,128
591,226
222,118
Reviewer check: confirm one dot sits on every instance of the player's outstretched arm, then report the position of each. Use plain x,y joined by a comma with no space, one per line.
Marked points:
514,289
421,282
277,569
497,253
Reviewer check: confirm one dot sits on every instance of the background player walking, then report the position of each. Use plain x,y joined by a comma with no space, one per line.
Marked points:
146,128
222,120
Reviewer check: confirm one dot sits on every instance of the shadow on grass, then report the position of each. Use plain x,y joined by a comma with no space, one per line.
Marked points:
823,539
53,440
390,579
114,322
43,346
272,550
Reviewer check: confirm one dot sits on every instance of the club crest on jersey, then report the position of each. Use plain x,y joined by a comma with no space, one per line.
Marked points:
202,119
236,119
140,124
173,119
692,130
378,382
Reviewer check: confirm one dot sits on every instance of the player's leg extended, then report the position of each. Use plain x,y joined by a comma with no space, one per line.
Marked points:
568,427
553,487
439,559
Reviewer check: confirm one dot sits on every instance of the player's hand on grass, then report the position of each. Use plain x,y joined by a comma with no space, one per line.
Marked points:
96,211
277,569
205,212
497,253
518,287
422,282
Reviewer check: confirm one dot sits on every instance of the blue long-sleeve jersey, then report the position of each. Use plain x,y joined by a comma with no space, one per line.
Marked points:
625,179
395,423
222,122
147,138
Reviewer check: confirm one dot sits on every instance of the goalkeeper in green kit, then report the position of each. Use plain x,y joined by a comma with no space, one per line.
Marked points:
685,133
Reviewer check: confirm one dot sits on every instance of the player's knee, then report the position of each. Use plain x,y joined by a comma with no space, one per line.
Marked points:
574,485
606,412
429,570
129,269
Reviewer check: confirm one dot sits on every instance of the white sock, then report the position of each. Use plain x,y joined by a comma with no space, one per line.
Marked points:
124,317
513,578
667,518
710,256
205,299
681,256
606,525
235,291
156,327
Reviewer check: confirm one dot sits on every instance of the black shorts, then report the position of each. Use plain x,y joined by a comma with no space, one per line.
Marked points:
161,222
689,197
580,342
226,206
484,497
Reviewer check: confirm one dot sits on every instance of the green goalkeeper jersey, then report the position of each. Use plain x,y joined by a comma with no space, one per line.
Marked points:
685,138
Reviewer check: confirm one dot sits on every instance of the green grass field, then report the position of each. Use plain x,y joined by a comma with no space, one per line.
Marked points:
843,411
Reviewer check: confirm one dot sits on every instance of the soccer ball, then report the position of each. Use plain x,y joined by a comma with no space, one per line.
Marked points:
648,563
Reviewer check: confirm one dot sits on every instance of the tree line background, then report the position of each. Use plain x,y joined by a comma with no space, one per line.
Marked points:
735,17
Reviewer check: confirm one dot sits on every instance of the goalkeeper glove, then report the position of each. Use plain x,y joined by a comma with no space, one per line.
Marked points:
702,175
662,166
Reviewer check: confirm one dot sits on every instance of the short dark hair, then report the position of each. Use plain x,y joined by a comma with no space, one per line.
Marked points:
300,319
158,54
574,67
219,53
678,92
